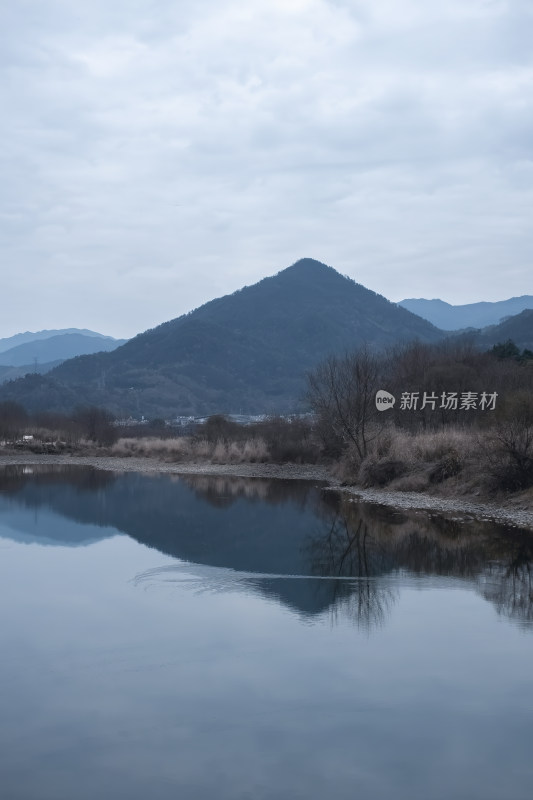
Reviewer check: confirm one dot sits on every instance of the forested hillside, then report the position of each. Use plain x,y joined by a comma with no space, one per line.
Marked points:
247,352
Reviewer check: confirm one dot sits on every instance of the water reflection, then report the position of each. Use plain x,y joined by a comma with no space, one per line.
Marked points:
314,551
223,490
366,540
507,583
344,548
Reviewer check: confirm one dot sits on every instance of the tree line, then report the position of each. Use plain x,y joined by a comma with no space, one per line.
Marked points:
440,387
91,423
435,387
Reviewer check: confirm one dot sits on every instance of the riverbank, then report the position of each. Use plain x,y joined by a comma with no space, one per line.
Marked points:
512,510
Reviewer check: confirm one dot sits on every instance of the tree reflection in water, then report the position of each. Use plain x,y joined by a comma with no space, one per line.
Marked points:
507,582
348,550
368,542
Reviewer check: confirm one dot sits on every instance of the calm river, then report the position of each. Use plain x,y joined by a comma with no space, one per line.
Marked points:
229,639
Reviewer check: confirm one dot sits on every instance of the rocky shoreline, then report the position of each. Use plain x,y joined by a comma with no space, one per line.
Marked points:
519,516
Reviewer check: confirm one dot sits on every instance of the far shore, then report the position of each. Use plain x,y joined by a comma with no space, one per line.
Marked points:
516,510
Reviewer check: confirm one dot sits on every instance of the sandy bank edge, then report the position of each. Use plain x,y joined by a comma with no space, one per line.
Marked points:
520,517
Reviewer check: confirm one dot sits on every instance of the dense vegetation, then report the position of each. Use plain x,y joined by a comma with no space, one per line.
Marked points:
459,414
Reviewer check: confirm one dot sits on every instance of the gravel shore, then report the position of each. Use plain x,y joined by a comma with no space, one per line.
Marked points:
517,516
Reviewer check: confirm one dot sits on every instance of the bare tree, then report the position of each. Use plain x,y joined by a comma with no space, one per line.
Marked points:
341,392
512,457
96,424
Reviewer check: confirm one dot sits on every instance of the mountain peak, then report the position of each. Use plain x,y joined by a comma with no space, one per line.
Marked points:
309,263
249,350
307,267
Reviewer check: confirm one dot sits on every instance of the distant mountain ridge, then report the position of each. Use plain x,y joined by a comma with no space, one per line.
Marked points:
40,352
247,352
57,348
22,338
471,315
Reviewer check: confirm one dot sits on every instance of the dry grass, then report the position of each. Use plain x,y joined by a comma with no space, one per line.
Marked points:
152,447
412,461
424,447
190,449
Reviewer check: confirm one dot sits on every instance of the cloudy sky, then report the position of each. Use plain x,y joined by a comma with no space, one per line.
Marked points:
158,153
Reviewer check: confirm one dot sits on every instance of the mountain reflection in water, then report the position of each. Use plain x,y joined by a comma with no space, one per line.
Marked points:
314,551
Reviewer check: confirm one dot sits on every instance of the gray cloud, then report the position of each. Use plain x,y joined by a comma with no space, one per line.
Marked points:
155,154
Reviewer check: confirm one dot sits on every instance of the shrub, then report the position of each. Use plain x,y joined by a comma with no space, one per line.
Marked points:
380,472
255,450
96,424
511,454
219,428
288,440
448,466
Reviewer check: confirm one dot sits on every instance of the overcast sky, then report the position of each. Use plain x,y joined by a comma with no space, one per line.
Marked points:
158,153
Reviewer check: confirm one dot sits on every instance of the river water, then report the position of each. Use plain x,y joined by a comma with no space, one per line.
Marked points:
206,637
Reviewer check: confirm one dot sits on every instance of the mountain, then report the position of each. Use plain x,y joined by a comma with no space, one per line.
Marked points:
246,352
57,348
28,336
471,315
518,328
12,373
